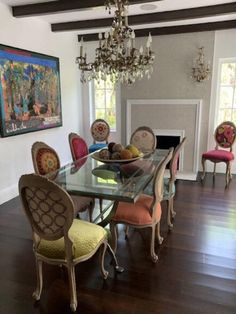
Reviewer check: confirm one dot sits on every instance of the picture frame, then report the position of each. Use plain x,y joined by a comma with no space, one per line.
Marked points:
30,93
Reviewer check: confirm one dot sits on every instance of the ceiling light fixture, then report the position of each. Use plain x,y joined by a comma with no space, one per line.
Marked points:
117,55
201,69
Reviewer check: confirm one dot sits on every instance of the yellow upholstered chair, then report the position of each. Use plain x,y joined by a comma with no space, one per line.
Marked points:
146,212
144,139
100,131
58,238
46,160
225,135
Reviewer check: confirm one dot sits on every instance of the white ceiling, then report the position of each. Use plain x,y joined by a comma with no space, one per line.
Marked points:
165,5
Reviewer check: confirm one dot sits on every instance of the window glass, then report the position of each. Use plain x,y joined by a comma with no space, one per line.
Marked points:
105,101
227,93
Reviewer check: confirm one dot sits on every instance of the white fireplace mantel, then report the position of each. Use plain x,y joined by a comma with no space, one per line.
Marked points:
195,104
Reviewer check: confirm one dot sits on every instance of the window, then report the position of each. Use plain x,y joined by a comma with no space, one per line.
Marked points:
227,92
104,102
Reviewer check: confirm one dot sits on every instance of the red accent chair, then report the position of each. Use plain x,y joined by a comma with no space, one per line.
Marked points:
79,150
225,135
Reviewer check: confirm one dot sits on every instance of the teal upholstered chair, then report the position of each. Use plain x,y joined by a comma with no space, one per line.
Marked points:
100,132
169,184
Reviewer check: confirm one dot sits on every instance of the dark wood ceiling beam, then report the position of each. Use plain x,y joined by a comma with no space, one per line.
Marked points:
61,6
150,18
173,29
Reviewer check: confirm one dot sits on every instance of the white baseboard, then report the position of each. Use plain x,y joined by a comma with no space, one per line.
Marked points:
8,193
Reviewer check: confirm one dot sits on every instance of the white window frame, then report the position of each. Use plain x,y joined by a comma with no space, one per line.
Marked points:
221,61
92,104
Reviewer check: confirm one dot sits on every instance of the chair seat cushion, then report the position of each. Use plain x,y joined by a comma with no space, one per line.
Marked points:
95,147
218,155
138,213
86,238
166,193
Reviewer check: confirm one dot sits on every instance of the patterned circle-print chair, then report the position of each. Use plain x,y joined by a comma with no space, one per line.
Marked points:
144,139
100,132
46,160
225,135
58,238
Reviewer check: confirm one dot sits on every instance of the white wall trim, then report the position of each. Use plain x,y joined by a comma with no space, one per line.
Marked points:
181,134
8,193
192,102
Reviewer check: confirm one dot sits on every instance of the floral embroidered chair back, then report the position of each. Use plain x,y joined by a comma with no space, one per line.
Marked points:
100,131
144,139
225,135
45,158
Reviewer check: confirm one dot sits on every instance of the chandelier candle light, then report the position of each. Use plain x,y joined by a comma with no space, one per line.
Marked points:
201,69
116,54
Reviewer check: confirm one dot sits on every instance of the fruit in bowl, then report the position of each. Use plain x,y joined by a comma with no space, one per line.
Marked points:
134,150
116,151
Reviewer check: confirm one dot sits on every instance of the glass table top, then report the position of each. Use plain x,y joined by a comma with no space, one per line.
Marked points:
113,181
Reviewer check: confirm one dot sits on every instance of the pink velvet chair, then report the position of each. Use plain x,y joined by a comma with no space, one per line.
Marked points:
79,150
146,212
225,135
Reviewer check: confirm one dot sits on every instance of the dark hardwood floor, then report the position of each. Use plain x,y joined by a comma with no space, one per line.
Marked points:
196,271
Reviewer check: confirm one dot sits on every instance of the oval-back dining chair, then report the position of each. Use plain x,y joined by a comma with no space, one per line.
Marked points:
58,238
225,135
79,150
144,139
146,212
46,160
169,184
100,131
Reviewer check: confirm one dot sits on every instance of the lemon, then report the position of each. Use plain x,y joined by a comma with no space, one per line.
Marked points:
134,150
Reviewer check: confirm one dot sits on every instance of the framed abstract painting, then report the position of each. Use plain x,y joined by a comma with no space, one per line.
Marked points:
30,96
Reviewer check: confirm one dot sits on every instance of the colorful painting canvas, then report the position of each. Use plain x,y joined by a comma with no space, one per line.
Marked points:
30,98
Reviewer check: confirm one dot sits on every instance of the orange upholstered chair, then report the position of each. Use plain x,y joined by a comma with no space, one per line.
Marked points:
146,212
225,135
46,160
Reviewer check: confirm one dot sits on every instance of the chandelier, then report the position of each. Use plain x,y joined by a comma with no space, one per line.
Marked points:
201,69
116,56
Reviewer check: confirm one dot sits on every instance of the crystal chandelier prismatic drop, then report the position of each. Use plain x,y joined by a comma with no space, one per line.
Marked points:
116,54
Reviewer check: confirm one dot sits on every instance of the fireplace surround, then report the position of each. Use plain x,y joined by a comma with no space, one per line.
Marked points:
170,117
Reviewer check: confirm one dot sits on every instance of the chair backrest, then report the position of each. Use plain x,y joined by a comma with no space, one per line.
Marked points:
159,177
174,160
144,139
78,146
100,131
225,135
48,207
45,158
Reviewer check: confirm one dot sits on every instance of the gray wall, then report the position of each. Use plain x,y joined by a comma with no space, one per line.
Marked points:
171,78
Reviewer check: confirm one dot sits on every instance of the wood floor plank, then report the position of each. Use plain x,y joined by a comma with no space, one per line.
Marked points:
195,274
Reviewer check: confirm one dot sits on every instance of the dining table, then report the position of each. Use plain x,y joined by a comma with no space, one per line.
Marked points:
115,181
